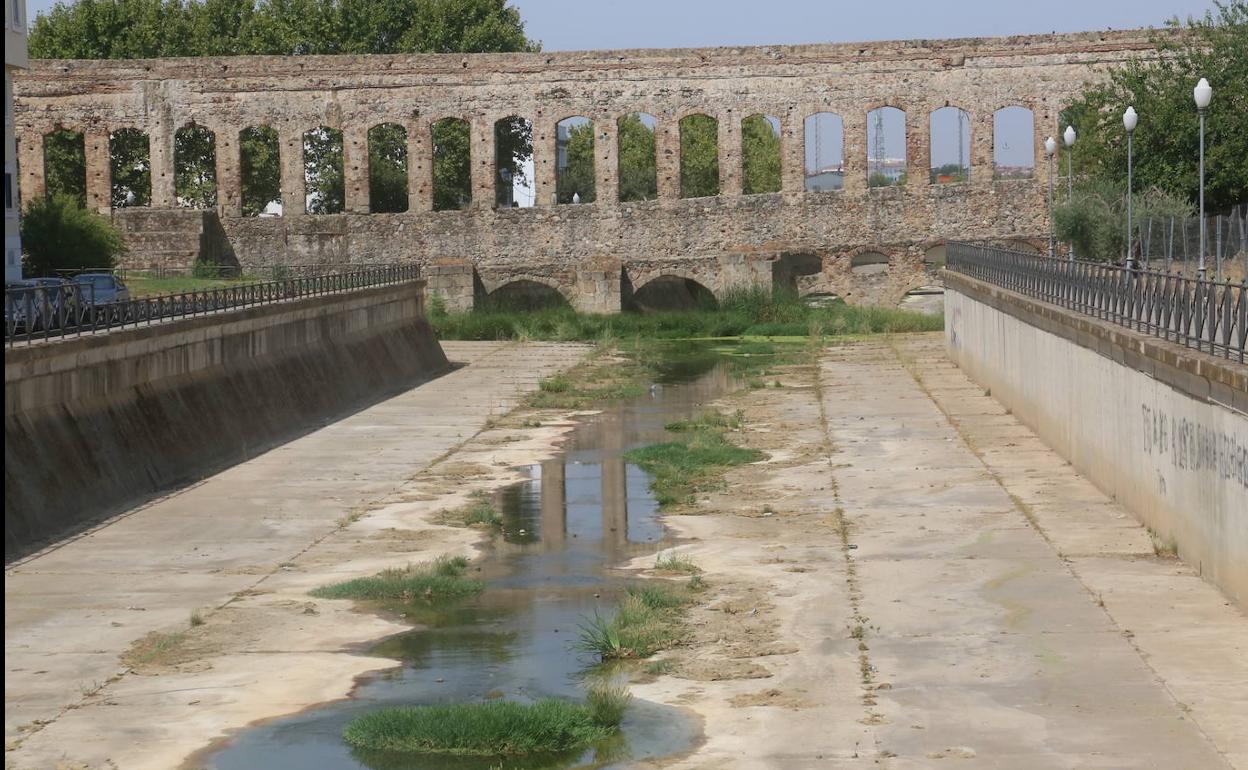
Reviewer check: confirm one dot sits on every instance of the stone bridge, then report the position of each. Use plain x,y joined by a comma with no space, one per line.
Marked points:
863,243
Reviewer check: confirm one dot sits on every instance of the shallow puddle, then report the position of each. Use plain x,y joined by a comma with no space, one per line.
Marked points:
575,518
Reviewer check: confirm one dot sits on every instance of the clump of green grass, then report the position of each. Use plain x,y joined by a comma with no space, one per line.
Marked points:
479,511
556,384
750,312
197,618
710,419
647,620
671,561
441,579
492,728
608,703
680,469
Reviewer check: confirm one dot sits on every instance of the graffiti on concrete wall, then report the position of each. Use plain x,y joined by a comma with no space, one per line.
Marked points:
1189,445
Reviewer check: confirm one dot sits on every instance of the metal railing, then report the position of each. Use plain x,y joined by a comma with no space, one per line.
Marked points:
1206,315
33,314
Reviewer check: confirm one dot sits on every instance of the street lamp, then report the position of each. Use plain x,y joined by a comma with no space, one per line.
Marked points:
1069,138
1202,93
1129,119
1050,147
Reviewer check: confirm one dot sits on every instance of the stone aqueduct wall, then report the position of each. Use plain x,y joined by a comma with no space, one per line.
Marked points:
594,252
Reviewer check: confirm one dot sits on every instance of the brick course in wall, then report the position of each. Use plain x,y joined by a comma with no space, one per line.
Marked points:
721,241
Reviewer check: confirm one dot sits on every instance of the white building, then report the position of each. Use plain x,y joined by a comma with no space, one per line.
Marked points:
14,58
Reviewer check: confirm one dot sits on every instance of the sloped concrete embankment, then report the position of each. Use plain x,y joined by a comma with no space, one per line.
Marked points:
96,424
1161,428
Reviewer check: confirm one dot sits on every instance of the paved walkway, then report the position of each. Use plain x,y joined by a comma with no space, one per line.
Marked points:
71,610
1023,619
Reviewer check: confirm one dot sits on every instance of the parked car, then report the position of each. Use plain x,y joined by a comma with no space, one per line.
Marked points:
99,289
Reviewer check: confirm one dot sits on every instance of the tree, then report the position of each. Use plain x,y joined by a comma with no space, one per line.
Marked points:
260,169
1160,88
699,156
59,234
576,178
325,185
1094,220
513,148
387,168
638,173
452,168
195,167
760,156
65,165
129,29
130,167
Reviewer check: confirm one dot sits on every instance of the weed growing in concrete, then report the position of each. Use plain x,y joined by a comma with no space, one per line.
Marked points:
670,561
479,511
197,619
697,462
492,728
441,579
556,384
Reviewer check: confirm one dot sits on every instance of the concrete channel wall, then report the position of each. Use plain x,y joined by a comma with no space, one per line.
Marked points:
95,424
1160,427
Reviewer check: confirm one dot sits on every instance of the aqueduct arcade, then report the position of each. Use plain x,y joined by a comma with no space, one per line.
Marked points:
846,218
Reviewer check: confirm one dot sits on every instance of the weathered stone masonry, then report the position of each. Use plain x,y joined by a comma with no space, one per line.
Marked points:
594,253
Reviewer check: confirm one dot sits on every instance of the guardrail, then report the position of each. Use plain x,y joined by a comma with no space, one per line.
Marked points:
35,314
1201,314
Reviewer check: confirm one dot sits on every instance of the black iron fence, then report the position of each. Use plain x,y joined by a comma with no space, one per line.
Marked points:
58,308
1206,315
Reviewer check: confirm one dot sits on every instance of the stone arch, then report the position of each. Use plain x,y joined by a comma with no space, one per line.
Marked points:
886,145
513,163
699,155
130,167
934,256
1013,142
761,154
575,180
824,151
637,157
949,137
672,289
387,168
195,166
868,261
527,292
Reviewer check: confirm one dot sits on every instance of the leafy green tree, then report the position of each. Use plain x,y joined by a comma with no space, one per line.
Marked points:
260,168
65,165
324,185
387,168
760,156
195,168
513,148
131,168
576,177
638,174
1094,220
129,29
1166,142
452,167
699,156
58,233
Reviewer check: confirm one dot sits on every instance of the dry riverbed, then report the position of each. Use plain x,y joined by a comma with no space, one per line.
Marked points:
891,588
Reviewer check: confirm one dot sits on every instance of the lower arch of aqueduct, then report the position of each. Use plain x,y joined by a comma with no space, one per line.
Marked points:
593,253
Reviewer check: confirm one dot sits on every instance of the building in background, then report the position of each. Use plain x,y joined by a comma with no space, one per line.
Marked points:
14,58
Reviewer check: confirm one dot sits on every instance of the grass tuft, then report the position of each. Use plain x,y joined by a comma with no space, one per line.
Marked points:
480,511
441,579
697,462
492,728
648,620
670,561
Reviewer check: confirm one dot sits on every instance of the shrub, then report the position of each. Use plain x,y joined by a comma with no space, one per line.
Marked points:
59,234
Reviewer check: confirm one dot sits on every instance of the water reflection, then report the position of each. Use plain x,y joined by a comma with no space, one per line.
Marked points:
574,518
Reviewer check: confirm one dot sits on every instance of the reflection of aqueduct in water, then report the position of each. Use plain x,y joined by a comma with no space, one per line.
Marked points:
827,228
